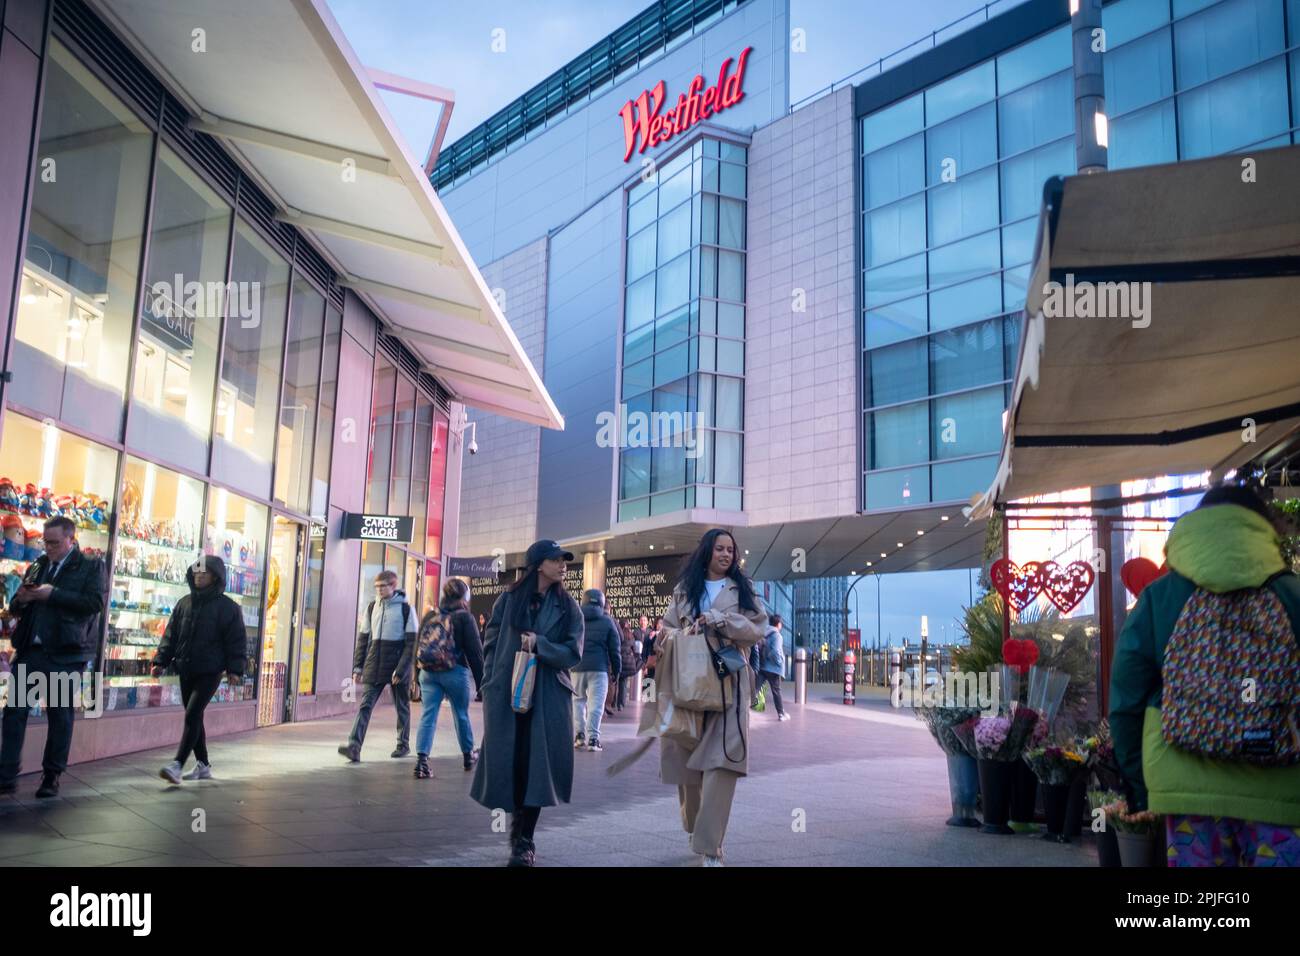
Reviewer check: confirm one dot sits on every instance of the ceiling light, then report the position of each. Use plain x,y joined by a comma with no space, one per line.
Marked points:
652,547
919,532
868,564
900,544
943,517
853,574
883,555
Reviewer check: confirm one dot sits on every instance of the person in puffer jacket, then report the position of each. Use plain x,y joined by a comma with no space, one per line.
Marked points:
1218,813
205,636
602,662
384,655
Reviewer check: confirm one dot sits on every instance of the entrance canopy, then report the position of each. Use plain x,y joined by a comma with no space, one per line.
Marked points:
1194,364
280,86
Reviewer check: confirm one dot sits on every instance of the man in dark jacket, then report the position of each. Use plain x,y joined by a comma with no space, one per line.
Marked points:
384,654
602,659
205,636
59,608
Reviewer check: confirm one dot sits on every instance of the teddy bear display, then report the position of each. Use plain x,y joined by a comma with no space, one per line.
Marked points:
15,538
8,496
34,546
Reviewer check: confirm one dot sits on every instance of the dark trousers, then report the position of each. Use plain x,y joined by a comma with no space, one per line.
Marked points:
58,738
196,692
773,681
401,703
523,822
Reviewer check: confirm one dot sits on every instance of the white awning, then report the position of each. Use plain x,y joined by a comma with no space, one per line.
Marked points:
279,84
1213,380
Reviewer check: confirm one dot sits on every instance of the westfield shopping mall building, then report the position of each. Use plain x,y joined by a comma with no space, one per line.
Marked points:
237,320
828,295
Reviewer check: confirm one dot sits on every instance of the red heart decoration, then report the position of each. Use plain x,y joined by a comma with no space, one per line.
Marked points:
1017,585
1138,573
1067,586
1020,654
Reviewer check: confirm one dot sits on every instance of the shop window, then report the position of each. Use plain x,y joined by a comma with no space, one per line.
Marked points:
372,562
249,401
381,436
399,495
432,585
157,543
47,472
421,459
180,317
298,405
79,275
273,674
313,588
412,583
320,475
236,532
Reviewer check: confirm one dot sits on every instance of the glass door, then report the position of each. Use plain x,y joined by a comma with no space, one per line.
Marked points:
276,679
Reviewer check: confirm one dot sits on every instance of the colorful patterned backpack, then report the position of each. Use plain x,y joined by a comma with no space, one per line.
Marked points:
1232,679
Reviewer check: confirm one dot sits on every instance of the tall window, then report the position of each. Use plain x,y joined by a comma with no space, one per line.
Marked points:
248,403
80,271
381,436
301,391
329,375
180,317
684,334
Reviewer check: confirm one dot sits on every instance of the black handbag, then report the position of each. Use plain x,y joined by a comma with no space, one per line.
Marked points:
728,662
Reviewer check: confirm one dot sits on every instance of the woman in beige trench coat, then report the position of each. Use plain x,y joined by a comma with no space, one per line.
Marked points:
715,591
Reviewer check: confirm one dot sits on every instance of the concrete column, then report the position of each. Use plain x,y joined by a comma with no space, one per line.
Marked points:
1089,85
593,570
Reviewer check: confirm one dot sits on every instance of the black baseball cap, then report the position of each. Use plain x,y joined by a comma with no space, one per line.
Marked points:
540,551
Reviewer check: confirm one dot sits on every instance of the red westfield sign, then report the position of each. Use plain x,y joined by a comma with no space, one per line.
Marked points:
643,120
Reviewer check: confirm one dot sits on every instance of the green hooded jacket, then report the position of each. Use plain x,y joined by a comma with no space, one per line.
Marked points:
1220,548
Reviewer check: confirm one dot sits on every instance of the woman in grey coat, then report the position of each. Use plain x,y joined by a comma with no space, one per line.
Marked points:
527,759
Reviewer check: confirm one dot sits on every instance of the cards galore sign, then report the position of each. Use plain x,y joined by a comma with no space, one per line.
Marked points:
378,527
645,120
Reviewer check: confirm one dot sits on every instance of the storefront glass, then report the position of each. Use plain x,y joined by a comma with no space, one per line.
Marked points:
249,401
437,486
424,416
399,495
157,542
180,317
281,603
48,472
381,437
236,532
372,562
298,406
432,585
79,278
313,586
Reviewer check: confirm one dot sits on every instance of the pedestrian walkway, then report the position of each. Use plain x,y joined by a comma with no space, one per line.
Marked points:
834,786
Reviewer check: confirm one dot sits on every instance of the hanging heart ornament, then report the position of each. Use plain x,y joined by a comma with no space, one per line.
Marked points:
1017,585
1067,586
1137,573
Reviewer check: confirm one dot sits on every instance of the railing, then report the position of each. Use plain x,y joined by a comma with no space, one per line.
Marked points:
872,666
888,62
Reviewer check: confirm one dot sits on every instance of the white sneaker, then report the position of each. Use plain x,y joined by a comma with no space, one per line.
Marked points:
172,772
201,771
783,717
712,861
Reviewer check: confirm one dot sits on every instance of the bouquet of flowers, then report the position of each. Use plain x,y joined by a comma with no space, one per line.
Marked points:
1054,765
1004,738
964,733
1046,691
1100,799
942,721
1139,821
1101,758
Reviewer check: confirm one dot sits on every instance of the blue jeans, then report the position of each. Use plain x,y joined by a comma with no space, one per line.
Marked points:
589,691
454,685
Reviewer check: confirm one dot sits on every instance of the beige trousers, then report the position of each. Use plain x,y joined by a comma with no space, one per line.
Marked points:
706,807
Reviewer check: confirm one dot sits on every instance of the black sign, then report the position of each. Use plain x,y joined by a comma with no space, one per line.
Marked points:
485,589
637,587
396,528
471,567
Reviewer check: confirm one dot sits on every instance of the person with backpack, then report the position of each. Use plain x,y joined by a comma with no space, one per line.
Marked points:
771,664
602,660
448,653
383,654
205,636
628,658
1205,690
527,761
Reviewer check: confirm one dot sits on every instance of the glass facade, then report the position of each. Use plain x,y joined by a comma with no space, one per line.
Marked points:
683,360
952,180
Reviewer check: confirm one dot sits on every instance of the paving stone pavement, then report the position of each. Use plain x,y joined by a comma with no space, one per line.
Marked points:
833,786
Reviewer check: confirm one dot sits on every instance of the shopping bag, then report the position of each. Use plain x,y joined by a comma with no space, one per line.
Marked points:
522,680
695,680
678,724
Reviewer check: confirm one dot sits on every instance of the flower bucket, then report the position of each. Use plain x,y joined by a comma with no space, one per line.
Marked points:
1024,795
1136,849
1074,810
996,780
963,789
1108,849
1056,801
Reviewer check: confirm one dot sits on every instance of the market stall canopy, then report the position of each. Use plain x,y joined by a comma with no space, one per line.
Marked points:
280,86
1196,367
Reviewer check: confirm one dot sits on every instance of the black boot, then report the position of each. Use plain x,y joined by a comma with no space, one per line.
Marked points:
422,771
523,853
471,758
49,786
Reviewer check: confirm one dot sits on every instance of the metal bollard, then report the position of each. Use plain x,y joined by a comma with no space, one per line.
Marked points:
895,675
850,659
800,675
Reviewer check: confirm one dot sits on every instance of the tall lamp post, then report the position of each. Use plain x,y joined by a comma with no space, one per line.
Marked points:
860,579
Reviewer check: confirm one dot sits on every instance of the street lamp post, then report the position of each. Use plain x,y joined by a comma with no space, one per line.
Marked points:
859,580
